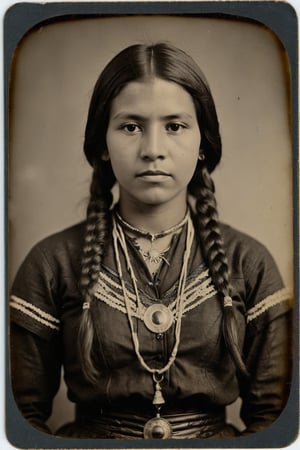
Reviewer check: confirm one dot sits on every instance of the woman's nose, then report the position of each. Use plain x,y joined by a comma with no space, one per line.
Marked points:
152,144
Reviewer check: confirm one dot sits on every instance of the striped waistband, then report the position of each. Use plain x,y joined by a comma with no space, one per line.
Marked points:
124,425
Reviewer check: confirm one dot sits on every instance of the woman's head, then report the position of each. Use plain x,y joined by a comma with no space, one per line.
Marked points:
139,62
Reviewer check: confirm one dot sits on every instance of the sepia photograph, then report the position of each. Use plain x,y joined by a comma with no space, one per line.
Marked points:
150,227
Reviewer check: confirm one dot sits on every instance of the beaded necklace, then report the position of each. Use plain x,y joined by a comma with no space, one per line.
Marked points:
156,425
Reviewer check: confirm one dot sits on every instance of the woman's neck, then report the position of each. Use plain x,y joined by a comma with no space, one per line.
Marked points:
153,219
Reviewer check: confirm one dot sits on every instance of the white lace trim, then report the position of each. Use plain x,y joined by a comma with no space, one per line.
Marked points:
267,303
110,293
34,312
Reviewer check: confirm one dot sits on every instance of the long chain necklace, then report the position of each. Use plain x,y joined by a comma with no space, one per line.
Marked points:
156,427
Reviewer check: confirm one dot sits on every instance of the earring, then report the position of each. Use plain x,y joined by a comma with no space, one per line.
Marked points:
201,157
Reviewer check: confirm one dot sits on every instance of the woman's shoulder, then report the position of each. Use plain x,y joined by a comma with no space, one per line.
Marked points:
70,237
235,239
48,273
60,248
244,250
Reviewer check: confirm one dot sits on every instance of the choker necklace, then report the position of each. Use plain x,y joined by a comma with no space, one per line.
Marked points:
152,255
153,236
156,316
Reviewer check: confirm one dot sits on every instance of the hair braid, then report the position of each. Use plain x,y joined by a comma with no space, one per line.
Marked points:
96,237
211,243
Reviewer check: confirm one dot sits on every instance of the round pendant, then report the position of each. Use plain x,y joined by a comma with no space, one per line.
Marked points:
158,318
157,428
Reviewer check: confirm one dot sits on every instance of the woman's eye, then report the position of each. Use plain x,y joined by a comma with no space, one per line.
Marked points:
131,128
174,127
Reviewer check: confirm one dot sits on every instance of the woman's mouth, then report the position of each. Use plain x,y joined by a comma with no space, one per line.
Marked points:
153,176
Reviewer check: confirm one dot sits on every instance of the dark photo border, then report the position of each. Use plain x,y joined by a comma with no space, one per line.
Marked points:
281,18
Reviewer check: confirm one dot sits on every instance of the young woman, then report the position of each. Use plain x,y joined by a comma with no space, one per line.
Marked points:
160,315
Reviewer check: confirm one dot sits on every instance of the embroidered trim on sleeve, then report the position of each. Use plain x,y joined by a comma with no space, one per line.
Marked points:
34,312
267,303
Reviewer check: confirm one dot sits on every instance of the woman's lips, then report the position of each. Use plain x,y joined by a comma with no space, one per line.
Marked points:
154,175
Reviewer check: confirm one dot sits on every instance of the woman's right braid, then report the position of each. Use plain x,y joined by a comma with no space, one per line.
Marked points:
211,242
95,241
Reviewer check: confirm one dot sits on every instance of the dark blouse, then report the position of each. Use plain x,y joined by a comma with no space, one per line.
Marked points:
46,307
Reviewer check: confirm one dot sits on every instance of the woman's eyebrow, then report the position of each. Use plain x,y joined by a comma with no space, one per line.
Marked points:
128,115
180,115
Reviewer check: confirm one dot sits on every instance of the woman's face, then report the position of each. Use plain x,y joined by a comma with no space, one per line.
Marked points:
153,142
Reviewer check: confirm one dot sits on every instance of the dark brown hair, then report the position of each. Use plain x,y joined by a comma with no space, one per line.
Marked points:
137,62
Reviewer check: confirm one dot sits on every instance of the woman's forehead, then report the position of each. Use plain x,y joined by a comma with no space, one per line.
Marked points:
152,95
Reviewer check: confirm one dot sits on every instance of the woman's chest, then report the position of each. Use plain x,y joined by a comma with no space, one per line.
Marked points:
120,327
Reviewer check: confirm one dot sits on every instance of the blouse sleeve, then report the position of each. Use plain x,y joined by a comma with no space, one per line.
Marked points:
267,346
35,348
